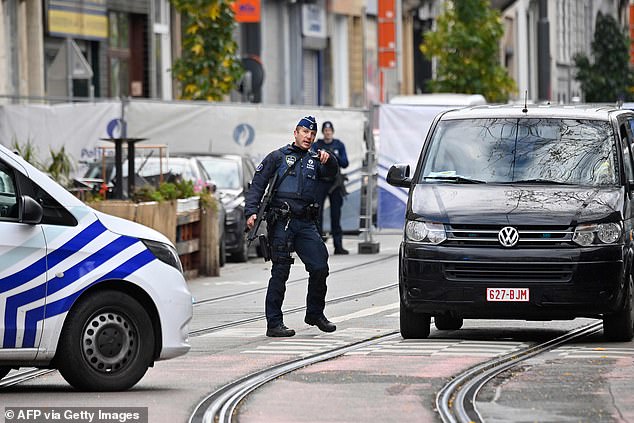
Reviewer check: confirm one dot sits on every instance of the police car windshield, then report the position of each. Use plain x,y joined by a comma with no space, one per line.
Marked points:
560,151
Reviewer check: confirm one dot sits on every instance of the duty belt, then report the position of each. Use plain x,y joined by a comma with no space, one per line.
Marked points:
308,213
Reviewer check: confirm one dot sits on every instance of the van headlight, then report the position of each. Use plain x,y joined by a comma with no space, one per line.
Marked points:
164,252
597,233
427,232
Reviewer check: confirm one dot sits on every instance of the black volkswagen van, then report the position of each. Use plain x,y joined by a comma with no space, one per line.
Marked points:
519,212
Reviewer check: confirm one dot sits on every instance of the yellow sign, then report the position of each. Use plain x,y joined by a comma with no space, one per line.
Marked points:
78,19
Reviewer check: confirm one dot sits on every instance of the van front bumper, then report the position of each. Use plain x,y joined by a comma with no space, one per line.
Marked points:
563,283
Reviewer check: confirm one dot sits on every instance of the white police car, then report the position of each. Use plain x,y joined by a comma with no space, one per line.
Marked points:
97,297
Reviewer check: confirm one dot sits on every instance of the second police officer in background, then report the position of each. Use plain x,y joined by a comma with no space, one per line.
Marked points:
334,187
293,224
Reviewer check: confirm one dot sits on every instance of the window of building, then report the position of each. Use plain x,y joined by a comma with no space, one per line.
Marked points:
119,54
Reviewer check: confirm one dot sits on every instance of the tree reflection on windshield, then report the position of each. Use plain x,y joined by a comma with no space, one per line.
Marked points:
532,151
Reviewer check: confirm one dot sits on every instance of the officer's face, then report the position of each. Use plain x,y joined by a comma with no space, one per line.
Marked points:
328,133
304,137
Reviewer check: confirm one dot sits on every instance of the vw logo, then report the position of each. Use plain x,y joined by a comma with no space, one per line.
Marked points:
508,236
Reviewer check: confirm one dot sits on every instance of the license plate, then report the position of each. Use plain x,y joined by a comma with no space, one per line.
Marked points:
508,294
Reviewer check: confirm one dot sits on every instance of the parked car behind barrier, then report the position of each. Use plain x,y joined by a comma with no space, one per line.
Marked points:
151,170
232,175
189,169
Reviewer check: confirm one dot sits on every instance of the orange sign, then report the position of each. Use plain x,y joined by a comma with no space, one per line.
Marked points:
631,34
387,33
246,11
386,9
387,59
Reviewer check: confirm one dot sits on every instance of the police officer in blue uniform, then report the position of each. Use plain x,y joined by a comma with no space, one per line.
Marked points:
292,224
333,188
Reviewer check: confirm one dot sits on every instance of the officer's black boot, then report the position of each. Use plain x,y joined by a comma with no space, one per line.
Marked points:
339,246
280,331
321,322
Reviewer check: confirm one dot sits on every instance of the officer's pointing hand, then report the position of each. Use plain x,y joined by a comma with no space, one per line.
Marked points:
323,156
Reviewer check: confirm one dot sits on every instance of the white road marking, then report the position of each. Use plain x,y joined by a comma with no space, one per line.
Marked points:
593,352
364,313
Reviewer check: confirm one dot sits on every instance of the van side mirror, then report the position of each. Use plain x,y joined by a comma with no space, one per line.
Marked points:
398,176
30,211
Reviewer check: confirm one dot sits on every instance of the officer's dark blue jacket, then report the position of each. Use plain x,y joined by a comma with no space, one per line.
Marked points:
298,188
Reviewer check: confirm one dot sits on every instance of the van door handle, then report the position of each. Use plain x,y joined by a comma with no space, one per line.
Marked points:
59,274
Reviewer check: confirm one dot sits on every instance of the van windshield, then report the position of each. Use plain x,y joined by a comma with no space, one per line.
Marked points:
549,151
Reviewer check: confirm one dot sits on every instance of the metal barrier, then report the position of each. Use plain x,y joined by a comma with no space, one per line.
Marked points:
368,191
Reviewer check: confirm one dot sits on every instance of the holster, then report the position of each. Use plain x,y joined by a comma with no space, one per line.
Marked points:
265,247
312,211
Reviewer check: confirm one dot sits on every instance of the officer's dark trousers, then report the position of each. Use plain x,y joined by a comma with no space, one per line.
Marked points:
336,202
302,236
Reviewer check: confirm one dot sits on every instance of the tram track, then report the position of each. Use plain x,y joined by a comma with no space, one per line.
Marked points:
26,375
456,401
23,376
220,406
290,282
261,316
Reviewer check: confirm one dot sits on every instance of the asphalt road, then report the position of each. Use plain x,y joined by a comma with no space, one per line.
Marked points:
391,381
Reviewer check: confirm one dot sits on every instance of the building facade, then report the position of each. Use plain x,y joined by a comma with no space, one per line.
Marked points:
75,48
540,40
301,52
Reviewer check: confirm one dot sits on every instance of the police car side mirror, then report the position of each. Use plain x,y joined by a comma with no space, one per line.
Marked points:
30,211
398,176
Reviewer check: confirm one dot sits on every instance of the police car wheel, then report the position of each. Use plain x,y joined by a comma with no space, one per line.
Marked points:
107,343
4,371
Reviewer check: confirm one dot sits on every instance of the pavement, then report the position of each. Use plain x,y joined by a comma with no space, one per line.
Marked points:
256,272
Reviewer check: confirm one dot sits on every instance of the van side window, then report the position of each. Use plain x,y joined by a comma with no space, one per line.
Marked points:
8,194
626,147
53,212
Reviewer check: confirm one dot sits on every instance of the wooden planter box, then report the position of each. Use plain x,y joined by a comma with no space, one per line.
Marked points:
193,230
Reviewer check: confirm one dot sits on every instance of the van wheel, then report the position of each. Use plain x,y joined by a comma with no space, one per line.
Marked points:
414,325
107,343
448,322
620,326
4,371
